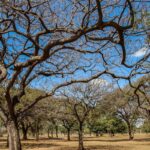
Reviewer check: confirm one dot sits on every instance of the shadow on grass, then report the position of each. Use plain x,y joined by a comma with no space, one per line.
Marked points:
42,139
38,145
142,140
117,140
107,147
31,143
3,140
102,140
113,140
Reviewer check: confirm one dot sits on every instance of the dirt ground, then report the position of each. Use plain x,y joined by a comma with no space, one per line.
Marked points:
118,142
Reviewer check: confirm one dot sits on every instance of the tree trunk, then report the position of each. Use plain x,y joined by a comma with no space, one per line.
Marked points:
97,133
56,128
52,133
13,136
90,132
81,147
37,131
48,133
68,134
130,132
24,132
37,135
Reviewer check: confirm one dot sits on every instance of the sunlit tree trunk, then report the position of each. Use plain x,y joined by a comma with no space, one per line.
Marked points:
13,135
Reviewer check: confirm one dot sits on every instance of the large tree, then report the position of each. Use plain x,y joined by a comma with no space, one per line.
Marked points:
62,41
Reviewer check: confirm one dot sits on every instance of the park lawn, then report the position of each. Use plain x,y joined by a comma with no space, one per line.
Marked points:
119,142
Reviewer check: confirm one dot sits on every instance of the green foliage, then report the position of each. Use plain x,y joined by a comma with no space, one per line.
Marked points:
108,125
116,125
146,127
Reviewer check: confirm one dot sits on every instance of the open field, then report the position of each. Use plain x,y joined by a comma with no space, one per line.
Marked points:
119,142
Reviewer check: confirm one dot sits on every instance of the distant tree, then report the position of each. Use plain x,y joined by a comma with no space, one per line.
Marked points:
25,124
115,125
129,113
67,118
105,123
146,126
68,124
81,99
124,104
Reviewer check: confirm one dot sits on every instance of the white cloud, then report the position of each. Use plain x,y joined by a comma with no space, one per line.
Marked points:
99,81
141,52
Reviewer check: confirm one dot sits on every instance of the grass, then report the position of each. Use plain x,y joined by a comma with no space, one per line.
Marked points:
118,142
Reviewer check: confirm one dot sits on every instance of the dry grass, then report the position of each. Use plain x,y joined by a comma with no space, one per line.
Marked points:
119,142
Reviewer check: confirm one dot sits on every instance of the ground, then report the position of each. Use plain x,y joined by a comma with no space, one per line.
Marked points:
118,142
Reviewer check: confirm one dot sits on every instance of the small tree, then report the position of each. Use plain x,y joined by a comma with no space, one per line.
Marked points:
68,124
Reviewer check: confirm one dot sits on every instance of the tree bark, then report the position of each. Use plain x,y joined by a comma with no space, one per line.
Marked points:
13,136
81,146
68,134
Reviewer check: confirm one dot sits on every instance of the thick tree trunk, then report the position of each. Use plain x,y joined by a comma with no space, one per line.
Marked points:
14,137
68,134
81,147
